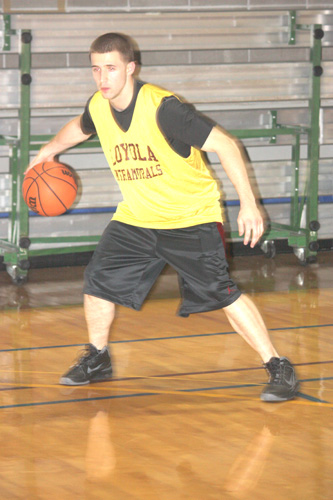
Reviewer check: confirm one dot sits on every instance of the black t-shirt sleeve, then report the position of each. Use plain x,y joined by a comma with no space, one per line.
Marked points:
87,124
182,126
180,121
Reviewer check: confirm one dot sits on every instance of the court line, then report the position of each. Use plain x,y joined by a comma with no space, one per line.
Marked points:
211,372
167,375
171,375
311,398
202,390
322,199
20,387
299,394
174,337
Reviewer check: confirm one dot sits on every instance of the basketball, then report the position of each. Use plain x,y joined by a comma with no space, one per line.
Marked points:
49,188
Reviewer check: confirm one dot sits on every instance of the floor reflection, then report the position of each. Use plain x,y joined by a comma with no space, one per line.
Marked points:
112,441
63,286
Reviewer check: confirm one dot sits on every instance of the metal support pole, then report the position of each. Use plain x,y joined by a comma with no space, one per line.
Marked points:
7,32
312,223
294,205
292,27
24,133
16,250
13,162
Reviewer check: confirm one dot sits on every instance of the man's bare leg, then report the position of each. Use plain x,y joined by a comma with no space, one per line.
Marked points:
245,318
242,315
99,315
95,363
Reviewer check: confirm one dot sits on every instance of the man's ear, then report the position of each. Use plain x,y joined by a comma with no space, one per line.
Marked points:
131,68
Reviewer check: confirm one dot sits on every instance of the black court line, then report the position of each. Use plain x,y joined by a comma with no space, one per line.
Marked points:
157,393
174,337
311,398
211,372
188,374
316,379
63,401
15,388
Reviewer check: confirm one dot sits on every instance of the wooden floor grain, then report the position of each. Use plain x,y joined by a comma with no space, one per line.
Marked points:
182,418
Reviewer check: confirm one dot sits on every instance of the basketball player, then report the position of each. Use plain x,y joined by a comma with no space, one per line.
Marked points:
170,212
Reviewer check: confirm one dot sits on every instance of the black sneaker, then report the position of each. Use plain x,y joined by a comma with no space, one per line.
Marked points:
93,366
283,383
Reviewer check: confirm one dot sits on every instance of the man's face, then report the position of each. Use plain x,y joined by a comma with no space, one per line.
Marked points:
111,74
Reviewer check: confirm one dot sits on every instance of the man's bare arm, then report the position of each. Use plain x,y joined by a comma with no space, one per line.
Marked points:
250,221
70,135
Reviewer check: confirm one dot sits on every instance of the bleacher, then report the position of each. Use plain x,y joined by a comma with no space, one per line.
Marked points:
236,67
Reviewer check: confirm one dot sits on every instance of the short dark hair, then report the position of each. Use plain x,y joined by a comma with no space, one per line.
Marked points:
114,41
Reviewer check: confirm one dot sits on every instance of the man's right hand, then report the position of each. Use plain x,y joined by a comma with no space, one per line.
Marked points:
42,156
70,135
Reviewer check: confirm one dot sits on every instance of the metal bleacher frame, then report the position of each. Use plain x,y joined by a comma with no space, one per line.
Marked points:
16,249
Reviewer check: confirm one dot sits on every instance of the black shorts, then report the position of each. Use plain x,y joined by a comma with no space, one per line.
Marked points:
128,259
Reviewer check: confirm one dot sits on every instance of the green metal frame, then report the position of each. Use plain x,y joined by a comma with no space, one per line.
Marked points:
16,248
8,32
294,233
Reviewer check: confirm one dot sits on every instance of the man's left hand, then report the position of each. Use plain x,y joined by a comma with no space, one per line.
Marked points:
250,224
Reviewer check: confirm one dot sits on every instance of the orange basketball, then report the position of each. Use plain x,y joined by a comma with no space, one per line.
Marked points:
49,188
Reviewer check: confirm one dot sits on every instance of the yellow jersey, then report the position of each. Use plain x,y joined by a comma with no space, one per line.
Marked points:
160,188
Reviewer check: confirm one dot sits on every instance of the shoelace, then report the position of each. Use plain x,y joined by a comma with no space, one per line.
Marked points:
276,372
85,354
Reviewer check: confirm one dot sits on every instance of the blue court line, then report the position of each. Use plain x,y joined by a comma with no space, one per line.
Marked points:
141,394
164,338
311,398
322,199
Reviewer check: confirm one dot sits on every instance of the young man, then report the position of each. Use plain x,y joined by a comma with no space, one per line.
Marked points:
170,212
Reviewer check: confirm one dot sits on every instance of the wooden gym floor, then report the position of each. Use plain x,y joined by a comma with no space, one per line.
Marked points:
182,418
